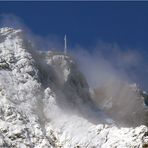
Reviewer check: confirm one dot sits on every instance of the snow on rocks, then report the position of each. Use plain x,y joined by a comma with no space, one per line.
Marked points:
45,102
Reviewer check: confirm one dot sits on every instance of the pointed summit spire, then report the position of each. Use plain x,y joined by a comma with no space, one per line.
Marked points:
65,44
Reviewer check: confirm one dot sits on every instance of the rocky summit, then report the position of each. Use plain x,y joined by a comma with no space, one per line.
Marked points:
46,102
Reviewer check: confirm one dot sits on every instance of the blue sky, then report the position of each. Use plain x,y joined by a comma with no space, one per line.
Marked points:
87,23
125,23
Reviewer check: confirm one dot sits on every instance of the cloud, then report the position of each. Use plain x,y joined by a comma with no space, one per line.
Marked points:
10,20
110,70
107,61
49,42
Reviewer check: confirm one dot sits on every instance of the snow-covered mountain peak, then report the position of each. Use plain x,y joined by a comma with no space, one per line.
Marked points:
8,30
45,102
10,33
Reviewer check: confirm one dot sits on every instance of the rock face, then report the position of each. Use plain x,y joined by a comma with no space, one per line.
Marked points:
45,102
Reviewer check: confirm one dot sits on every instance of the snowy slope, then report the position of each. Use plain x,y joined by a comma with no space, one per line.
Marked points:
45,102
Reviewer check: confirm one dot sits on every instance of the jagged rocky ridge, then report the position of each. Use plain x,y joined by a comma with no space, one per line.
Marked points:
45,102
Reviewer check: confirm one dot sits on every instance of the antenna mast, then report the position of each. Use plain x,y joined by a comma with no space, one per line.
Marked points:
65,44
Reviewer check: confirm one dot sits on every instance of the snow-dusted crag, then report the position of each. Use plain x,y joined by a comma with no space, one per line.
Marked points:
45,102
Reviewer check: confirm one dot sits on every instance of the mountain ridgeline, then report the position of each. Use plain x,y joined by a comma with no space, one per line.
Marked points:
45,101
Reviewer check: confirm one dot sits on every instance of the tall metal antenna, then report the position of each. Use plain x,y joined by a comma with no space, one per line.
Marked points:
65,44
